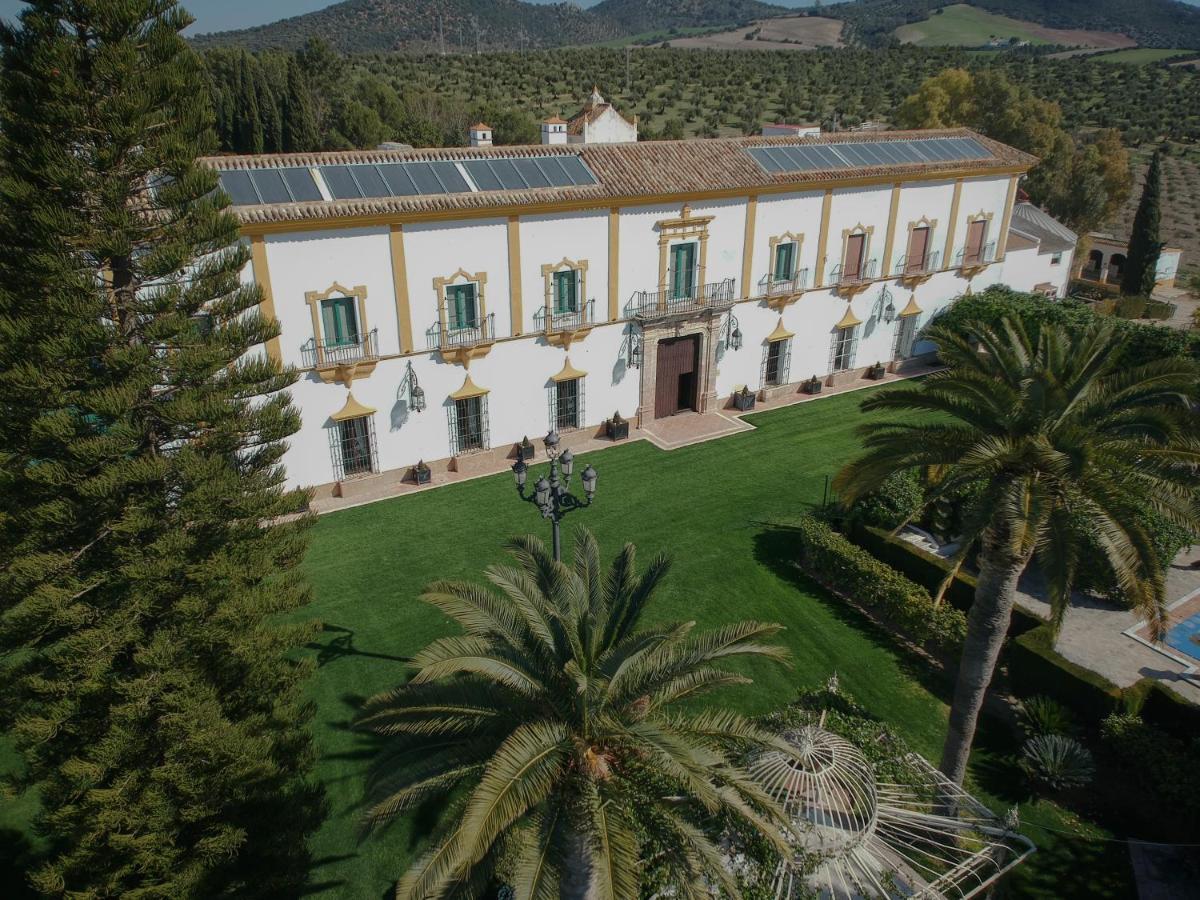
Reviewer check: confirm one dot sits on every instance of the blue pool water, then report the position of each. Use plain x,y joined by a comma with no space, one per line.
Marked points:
1186,636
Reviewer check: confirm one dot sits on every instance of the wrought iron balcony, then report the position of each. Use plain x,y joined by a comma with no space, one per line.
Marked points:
553,321
770,286
319,354
866,272
969,259
717,295
907,268
462,335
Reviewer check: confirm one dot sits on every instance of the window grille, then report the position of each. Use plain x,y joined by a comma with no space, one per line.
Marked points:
777,359
353,447
565,400
906,332
468,423
843,349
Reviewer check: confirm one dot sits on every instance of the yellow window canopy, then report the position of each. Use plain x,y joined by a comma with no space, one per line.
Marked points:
567,373
912,309
352,409
849,320
468,390
780,333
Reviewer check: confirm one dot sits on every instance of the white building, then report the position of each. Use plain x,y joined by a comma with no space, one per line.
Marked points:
599,123
514,289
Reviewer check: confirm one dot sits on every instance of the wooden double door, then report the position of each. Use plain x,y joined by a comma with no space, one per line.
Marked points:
677,378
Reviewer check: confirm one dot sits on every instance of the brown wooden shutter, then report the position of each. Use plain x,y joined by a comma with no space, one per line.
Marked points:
918,246
975,236
854,255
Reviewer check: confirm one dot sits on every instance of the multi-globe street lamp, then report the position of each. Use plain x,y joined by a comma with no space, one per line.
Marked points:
552,495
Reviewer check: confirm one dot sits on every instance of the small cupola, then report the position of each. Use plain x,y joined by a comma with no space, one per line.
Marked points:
554,131
481,135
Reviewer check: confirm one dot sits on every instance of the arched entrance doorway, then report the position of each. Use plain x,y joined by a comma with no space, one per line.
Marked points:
677,378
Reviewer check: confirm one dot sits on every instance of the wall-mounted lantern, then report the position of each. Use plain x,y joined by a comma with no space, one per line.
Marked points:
416,394
732,333
634,357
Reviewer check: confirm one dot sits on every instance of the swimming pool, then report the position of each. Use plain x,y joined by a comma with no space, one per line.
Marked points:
1185,636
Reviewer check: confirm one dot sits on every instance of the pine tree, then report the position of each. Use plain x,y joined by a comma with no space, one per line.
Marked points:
300,133
248,118
143,567
1141,262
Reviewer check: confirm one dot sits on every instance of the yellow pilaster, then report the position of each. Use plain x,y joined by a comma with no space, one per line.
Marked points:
514,273
748,245
400,287
823,237
262,275
889,241
948,256
1002,241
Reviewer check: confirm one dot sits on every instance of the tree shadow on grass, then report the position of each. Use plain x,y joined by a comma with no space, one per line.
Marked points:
337,642
17,858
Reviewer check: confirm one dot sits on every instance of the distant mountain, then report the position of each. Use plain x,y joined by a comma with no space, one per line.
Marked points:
638,16
416,25
379,25
1152,23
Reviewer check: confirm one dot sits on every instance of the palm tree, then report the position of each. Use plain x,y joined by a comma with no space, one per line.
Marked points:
1061,445
560,727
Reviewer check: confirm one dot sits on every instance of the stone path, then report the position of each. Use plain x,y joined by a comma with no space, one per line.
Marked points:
1095,633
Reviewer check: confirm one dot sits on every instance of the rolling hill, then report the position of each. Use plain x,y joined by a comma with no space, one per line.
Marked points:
422,25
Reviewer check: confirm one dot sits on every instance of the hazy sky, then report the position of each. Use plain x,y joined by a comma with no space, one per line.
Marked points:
218,15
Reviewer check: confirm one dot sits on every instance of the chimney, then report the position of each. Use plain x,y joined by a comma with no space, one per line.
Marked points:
481,135
554,131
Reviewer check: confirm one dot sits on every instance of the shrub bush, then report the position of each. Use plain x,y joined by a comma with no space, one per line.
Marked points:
1159,309
1035,668
1131,307
1042,715
851,571
1167,768
1056,762
898,498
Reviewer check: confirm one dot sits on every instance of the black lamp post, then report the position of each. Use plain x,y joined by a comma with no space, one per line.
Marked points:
552,495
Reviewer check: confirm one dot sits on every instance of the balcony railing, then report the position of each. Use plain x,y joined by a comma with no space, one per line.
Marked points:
981,257
839,275
926,266
552,321
774,286
319,354
481,330
648,304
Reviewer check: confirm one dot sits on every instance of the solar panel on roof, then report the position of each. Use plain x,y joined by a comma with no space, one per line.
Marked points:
239,187
295,184
481,173
850,154
301,183
398,180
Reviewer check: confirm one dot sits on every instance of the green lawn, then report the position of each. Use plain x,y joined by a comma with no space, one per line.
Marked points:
706,506
964,26
1140,55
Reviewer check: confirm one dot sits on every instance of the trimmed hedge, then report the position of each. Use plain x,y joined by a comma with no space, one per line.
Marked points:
1034,667
928,570
1166,768
848,569
1162,707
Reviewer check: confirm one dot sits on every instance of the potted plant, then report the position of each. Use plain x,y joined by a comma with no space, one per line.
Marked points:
422,474
616,427
812,386
525,449
743,399
876,371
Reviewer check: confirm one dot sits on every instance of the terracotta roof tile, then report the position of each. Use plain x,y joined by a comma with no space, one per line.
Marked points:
623,172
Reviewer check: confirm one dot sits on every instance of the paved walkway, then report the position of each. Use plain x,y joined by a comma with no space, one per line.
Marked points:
1100,636
670,433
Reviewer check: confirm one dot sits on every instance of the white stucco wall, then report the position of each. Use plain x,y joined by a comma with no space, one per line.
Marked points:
517,370
609,128
1023,270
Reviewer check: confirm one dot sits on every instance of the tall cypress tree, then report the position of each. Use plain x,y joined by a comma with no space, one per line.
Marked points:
248,117
1141,262
300,132
143,672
